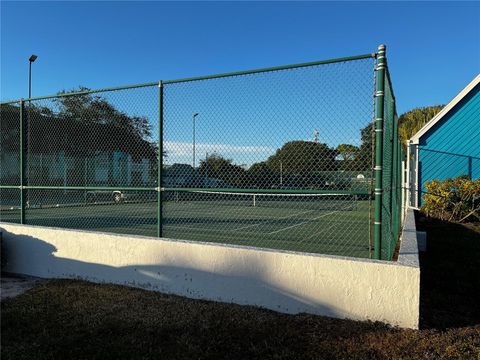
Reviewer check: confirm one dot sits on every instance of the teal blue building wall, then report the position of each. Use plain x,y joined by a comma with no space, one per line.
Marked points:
451,147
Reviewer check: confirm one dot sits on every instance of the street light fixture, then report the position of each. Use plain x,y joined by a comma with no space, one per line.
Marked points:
194,116
32,59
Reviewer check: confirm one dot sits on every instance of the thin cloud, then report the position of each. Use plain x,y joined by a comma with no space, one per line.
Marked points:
175,148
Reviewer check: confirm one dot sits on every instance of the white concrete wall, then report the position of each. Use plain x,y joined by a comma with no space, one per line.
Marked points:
283,281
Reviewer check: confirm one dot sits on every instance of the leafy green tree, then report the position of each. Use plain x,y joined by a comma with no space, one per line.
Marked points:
347,151
303,157
412,121
9,143
409,123
179,170
363,157
218,167
261,175
94,109
80,127
300,164
348,154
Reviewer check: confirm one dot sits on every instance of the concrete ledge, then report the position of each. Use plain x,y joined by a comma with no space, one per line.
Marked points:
284,281
409,247
422,241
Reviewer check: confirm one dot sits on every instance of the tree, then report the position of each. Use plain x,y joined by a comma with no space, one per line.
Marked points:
218,167
363,159
347,151
412,121
301,163
83,128
409,123
261,175
303,157
94,109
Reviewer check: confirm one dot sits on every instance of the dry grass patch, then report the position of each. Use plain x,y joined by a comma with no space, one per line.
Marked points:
66,319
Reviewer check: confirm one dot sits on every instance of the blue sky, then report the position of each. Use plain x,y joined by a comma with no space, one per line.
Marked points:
433,47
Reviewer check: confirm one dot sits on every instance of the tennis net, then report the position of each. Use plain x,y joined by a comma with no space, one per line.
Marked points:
315,201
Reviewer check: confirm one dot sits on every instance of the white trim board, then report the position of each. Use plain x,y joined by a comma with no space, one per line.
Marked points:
415,139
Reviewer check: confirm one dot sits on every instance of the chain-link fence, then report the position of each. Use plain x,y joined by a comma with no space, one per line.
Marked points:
276,158
429,164
393,155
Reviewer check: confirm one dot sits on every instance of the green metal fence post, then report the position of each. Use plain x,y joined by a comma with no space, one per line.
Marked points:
22,165
394,189
377,233
160,160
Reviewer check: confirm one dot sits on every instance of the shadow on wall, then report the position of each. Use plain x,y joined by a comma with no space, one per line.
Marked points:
246,287
450,281
441,165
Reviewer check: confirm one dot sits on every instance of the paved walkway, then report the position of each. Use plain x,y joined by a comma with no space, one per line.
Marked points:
14,285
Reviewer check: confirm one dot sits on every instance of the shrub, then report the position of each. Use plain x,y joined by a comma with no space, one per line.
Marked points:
455,199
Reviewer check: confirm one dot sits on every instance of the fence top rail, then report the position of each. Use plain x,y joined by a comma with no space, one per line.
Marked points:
268,191
274,68
206,77
10,102
77,93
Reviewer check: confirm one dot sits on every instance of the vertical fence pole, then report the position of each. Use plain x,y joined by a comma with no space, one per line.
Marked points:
394,189
377,228
22,162
402,180
418,188
160,160
408,179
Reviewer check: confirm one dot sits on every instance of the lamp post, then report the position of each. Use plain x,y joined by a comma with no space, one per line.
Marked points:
32,59
194,116
281,173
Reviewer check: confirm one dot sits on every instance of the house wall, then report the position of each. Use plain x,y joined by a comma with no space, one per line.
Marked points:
49,169
9,165
288,282
452,146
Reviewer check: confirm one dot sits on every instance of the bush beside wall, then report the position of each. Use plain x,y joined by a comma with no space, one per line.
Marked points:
456,200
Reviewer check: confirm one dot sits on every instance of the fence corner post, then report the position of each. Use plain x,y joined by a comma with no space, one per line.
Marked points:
379,114
22,161
160,160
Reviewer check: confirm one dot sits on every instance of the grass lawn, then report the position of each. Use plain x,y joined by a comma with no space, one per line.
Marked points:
75,319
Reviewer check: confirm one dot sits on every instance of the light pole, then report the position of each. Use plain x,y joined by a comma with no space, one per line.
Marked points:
281,173
206,170
194,116
30,61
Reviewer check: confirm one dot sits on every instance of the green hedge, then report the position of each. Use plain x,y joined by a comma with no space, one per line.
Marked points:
455,199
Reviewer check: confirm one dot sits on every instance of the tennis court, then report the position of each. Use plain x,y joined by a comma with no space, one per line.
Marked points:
315,223
311,225
280,158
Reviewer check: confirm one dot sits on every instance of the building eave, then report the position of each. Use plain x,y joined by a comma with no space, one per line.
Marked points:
415,139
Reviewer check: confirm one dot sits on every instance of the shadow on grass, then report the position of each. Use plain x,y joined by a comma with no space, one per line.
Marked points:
450,274
64,319
244,280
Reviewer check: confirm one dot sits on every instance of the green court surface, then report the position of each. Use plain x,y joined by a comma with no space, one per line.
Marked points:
326,227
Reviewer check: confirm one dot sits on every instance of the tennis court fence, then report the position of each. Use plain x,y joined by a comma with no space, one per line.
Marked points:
303,157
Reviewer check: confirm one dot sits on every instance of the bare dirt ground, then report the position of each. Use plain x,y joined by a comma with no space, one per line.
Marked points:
14,285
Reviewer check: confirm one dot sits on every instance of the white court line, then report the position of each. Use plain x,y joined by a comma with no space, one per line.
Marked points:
305,222
279,218
200,211
186,228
